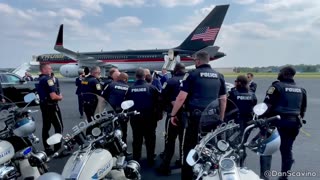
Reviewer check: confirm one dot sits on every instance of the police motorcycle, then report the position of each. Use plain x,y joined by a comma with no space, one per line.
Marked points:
100,155
219,154
18,158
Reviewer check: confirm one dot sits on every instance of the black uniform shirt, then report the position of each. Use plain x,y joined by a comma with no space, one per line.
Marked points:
115,93
90,86
171,89
45,87
203,86
144,95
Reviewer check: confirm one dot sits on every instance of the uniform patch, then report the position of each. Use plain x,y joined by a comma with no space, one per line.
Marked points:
50,82
271,90
84,82
98,86
164,85
185,76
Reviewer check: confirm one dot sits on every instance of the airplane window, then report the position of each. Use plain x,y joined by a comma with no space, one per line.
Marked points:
12,78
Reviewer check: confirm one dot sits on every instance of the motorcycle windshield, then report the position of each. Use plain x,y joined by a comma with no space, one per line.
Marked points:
103,106
210,117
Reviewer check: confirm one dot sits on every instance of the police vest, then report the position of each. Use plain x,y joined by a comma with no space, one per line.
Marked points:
244,102
117,94
142,97
205,88
290,99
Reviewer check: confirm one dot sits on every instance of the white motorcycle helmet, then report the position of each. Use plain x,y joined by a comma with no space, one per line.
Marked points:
266,146
24,127
51,176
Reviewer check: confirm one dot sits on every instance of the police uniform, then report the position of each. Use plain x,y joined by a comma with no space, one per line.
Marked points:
115,93
145,97
253,86
244,100
203,86
90,87
170,91
289,101
79,94
50,110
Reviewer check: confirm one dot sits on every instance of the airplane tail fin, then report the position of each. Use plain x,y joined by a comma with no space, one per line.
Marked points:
206,32
59,41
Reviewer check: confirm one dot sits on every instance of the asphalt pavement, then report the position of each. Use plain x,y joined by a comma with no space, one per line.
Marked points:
306,148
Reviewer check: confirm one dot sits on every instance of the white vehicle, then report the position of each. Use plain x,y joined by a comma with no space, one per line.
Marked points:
219,154
99,156
17,135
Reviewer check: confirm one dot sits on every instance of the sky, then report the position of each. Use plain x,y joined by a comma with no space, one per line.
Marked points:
254,32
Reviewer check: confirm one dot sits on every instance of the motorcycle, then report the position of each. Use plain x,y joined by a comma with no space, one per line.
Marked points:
101,154
18,157
219,154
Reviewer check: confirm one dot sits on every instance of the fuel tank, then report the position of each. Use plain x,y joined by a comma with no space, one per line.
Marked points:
240,174
6,151
88,165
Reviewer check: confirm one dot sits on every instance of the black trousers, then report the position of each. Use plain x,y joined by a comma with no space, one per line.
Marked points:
89,109
288,136
172,133
190,141
51,115
80,104
143,127
124,129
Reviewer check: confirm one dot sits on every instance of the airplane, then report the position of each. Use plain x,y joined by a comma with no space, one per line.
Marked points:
201,38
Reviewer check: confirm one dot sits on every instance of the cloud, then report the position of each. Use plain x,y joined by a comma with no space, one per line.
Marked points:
244,2
5,8
70,13
253,30
125,22
173,3
96,5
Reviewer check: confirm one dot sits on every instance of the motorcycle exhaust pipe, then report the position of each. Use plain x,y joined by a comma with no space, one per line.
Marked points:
132,170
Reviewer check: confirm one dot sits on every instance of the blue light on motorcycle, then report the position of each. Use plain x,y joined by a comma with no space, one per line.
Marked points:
27,151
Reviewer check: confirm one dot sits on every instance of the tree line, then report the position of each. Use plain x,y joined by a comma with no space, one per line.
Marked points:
299,68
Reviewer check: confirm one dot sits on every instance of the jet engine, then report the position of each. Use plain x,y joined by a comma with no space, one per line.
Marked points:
69,70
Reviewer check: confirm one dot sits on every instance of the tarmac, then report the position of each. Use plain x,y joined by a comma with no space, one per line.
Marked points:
306,148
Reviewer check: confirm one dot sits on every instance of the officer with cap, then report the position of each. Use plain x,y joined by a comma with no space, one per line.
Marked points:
145,97
49,98
199,88
288,100
115,93
90,87
171,89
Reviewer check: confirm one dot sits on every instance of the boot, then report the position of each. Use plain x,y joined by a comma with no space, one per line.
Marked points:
265,166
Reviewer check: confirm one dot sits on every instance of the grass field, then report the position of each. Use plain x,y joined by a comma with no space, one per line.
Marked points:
274,75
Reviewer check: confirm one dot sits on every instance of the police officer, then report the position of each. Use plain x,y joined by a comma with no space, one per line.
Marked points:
243,99
200,87
288,100
171,89
252,84
145,97
90,87
3,100
115,93
49,98
78,92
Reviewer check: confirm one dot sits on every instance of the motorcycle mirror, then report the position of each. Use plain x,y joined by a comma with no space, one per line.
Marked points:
127,104
29,97
260,108
192,157
96,131
54,139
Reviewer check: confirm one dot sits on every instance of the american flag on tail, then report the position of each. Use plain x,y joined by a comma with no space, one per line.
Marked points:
205,33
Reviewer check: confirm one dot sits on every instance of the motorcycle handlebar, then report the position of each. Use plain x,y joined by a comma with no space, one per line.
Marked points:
264,121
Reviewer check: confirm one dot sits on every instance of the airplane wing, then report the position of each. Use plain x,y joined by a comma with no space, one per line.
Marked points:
80,57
